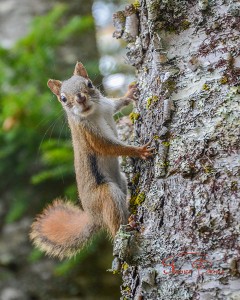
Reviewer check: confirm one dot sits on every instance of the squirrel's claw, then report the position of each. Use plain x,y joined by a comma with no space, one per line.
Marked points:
133,91
145,152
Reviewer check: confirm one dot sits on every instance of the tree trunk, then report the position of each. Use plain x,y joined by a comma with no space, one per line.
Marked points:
182,241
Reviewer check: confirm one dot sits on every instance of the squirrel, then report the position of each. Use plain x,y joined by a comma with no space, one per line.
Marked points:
64,228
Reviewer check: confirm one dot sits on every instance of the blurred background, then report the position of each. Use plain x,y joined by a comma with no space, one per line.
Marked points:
41,40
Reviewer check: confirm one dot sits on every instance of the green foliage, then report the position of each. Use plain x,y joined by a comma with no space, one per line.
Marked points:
36,150
35,147
35,255
17,208
58,158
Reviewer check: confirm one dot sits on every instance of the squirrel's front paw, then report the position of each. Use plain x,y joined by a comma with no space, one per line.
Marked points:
145,152
133,92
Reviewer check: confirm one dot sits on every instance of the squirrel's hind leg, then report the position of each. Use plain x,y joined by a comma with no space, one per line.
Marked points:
123,183
114,208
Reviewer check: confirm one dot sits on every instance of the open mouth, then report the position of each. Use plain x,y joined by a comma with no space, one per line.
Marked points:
82,109
86,108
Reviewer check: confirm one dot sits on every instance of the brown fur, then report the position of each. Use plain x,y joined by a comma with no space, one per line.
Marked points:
62,229
112,210
58,228
60,225
62,222
105,147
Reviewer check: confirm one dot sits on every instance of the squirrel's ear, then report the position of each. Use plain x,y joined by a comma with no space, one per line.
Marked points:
55,86
80,70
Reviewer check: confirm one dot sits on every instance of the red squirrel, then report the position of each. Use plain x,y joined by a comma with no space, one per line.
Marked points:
64,228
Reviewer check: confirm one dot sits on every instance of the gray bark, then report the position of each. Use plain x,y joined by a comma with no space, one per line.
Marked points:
185,200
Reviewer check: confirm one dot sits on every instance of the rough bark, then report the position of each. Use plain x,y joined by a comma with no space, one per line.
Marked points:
183,238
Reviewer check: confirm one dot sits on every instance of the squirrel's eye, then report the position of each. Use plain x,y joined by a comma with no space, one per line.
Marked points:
90,85
63,98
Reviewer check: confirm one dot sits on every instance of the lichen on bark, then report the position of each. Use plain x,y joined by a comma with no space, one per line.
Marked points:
183,239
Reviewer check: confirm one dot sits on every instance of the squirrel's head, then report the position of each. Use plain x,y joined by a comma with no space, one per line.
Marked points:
77,94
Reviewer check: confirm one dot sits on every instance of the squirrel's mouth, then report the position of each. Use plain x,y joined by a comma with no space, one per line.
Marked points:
86,108
82,110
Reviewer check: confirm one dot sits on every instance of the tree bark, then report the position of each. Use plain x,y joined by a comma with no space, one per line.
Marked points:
182,240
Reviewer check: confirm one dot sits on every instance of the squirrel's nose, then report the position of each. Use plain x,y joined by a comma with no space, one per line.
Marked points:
81,98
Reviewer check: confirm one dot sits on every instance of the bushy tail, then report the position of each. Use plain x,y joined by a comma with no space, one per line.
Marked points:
62,229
